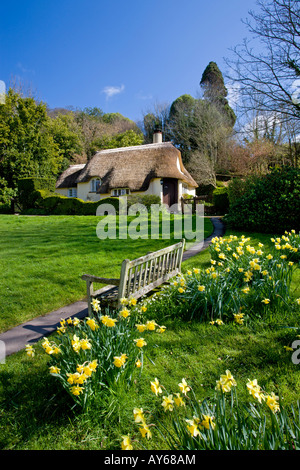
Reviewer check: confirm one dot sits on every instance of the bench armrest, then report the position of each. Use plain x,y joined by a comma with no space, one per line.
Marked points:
101,280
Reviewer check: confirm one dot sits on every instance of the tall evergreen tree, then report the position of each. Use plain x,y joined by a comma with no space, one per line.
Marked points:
215,91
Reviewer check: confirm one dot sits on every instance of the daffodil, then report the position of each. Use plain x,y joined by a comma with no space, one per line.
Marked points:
255,390
138,415
167,403
226,382
141,328
76,390
140,342
96,305
29,350
108,321
126,443
201,288
272,402
138,363
151,325
184,387
193,426
266,301
54,370
196,270
178,400
161,329
145,431
124,312
207,422
85,344
92,324
119,361
238,318
155,387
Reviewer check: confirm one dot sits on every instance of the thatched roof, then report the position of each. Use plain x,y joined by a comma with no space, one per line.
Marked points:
68,178
134,167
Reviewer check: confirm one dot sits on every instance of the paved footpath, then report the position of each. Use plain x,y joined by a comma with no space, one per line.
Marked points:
32,331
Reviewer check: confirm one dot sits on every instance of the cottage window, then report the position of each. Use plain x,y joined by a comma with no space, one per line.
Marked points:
120,192
72,192
95,185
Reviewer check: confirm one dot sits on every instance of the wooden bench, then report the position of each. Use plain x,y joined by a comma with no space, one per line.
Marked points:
138,277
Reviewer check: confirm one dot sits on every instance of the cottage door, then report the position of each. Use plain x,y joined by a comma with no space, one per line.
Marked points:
170,193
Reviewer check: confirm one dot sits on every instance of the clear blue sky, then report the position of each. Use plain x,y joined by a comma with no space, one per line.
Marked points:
119,55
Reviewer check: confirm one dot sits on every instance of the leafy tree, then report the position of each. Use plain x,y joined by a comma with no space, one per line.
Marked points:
27,148
126,139
197,126
68,136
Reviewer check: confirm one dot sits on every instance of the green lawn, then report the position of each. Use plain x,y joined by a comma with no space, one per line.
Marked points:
42,260
199,352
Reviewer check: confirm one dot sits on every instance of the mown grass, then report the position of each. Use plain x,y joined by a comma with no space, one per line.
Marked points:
42,260
36,414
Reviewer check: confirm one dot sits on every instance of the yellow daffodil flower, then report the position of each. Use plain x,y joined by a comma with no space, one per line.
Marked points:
155,387
138,415
76,390
226,382
167,403
255,390
207,422
92,324
184,388
29,350
272,402
193,426
145,431
126,443
124,312
178,400
140,342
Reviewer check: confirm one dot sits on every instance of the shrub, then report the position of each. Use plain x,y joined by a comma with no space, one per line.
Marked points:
220,200
57,204
28,190
270,203
146,200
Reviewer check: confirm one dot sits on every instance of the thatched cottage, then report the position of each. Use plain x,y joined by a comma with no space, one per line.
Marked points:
154,168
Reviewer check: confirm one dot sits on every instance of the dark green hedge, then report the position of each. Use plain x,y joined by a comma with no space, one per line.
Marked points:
61,205
28,187
271,203
221,200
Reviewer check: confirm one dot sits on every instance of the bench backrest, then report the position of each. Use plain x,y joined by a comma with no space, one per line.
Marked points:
140,276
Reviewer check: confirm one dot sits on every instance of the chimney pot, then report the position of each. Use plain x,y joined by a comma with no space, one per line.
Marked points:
157,136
